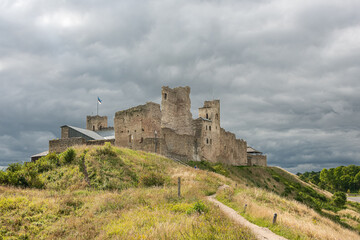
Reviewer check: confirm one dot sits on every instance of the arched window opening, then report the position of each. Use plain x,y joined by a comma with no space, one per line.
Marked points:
209,128
130,138
207,141
207,116
141,140
165,96
93,127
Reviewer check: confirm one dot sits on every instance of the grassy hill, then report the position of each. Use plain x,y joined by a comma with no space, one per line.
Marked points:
117,193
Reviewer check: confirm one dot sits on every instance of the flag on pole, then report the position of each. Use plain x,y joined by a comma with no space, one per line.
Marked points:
99,100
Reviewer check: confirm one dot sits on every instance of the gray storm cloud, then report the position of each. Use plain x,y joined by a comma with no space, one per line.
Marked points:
287,73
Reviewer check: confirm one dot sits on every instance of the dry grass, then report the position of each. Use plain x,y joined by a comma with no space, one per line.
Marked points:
132,213
295,220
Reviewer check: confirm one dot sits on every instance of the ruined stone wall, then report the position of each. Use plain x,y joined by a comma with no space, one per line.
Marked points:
258,160
100,142
232,150
134,125
96,123
179,146
60,145
175,110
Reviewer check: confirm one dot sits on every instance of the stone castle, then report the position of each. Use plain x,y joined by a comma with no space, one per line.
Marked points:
166,129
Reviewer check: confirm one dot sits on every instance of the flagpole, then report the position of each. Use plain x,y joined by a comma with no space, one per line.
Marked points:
97,107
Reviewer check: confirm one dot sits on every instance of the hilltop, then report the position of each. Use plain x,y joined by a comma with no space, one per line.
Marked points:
116,193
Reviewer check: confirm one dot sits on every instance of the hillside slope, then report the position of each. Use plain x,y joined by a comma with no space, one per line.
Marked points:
117,193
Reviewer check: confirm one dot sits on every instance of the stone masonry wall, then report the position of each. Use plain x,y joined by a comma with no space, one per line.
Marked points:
134,125
175,110
96,123
258,160
178,146
232,150
100,142
210,137
60,145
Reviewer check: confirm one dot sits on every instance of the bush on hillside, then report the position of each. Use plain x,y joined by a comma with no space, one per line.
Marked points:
339,199
152,179
107,150
68,156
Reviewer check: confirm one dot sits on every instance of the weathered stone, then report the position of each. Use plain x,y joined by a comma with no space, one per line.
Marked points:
170,131
175,109
96,123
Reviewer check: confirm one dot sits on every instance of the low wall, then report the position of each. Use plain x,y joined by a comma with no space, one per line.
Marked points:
100,142
60,145
258,160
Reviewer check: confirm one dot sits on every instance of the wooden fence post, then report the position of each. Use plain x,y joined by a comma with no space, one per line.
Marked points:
274,219
245,207
179,184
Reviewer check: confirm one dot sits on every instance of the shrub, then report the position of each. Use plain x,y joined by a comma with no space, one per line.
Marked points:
152,179
276,178
107,150
3,178
339,199
14,167
200,207
68,156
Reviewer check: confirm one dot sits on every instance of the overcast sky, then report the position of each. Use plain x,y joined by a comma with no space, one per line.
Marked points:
286,72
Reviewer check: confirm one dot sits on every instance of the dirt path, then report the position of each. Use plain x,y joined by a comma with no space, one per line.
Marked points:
261,233
355,199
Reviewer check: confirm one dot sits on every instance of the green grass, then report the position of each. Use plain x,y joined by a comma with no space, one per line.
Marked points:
128,195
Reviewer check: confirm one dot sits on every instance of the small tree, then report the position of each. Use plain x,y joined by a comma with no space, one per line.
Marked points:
339,199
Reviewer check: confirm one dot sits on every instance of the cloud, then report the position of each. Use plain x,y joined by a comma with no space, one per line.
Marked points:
286,72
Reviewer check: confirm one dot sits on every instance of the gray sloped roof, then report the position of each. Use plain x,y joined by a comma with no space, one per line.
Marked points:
107,134
252,150
41,154
89,133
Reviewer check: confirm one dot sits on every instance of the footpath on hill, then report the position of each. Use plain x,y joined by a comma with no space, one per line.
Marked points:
355,199
261,233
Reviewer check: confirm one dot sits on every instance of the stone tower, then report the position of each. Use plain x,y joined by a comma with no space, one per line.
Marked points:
96,123
175,110
210,143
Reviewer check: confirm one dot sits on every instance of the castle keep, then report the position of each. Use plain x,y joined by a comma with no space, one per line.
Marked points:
168,129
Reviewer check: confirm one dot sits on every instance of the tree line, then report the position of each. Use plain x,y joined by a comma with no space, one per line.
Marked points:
344,179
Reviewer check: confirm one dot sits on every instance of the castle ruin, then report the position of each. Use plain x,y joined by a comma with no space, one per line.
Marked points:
167,129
